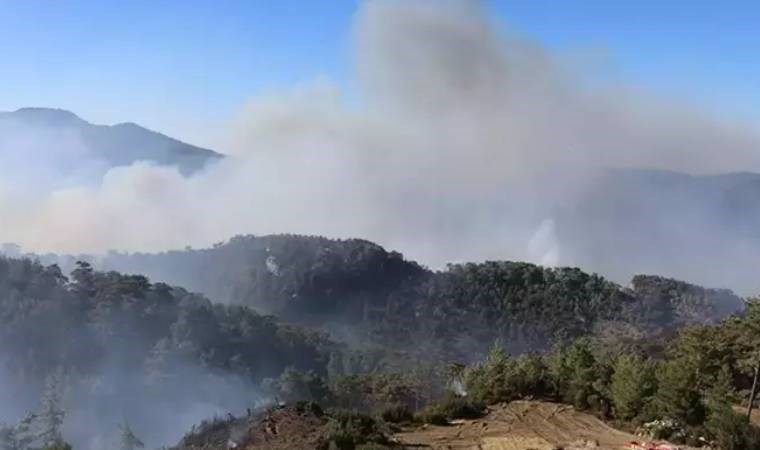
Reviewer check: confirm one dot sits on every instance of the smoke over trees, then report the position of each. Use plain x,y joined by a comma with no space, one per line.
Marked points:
463,142
104,346
467,143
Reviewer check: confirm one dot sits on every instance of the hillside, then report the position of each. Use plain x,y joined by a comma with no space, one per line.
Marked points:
320,281
46,130
514,426
302,426
114,347
111,346
568,397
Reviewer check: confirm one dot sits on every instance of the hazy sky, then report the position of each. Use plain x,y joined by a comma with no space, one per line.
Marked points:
175,65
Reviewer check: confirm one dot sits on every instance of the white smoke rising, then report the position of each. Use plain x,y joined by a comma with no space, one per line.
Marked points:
543,246
32,159
464,141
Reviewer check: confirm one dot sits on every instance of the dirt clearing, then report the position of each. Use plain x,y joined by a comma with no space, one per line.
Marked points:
520,425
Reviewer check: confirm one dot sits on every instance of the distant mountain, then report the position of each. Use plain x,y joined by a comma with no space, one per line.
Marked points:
116,145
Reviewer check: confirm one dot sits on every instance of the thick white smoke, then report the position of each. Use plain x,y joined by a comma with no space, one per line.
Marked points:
464,141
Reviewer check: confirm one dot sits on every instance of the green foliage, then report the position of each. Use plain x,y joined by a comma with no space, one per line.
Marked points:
632,386
721,393
488,381
677,394
727,429
77,323
292,276
501,378
312,279
47,322
577,377
731,431
704,350
531,376
582,372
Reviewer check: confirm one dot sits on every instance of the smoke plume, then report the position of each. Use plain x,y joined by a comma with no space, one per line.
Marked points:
464,144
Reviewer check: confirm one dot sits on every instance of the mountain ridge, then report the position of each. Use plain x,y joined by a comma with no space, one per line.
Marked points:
120,144
357,287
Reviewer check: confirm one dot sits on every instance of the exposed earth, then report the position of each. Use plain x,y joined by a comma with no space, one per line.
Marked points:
520,425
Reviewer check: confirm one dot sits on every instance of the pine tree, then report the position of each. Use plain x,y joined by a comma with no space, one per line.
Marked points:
580,363
633,384
678,395
726,428
84,279
558,371
487,381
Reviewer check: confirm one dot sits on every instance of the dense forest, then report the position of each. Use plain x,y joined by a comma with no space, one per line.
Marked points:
382,296
126,347
689,394
349,326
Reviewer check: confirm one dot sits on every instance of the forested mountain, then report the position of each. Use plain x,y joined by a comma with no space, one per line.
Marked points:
123,345
283,274
130,348
47,131
688,395
324,282
353,288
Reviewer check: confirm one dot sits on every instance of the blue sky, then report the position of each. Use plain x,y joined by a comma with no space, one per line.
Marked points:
172,65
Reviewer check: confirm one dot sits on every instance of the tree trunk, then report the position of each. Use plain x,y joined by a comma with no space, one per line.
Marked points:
753,393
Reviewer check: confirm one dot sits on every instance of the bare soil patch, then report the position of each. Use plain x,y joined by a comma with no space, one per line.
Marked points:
520,425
